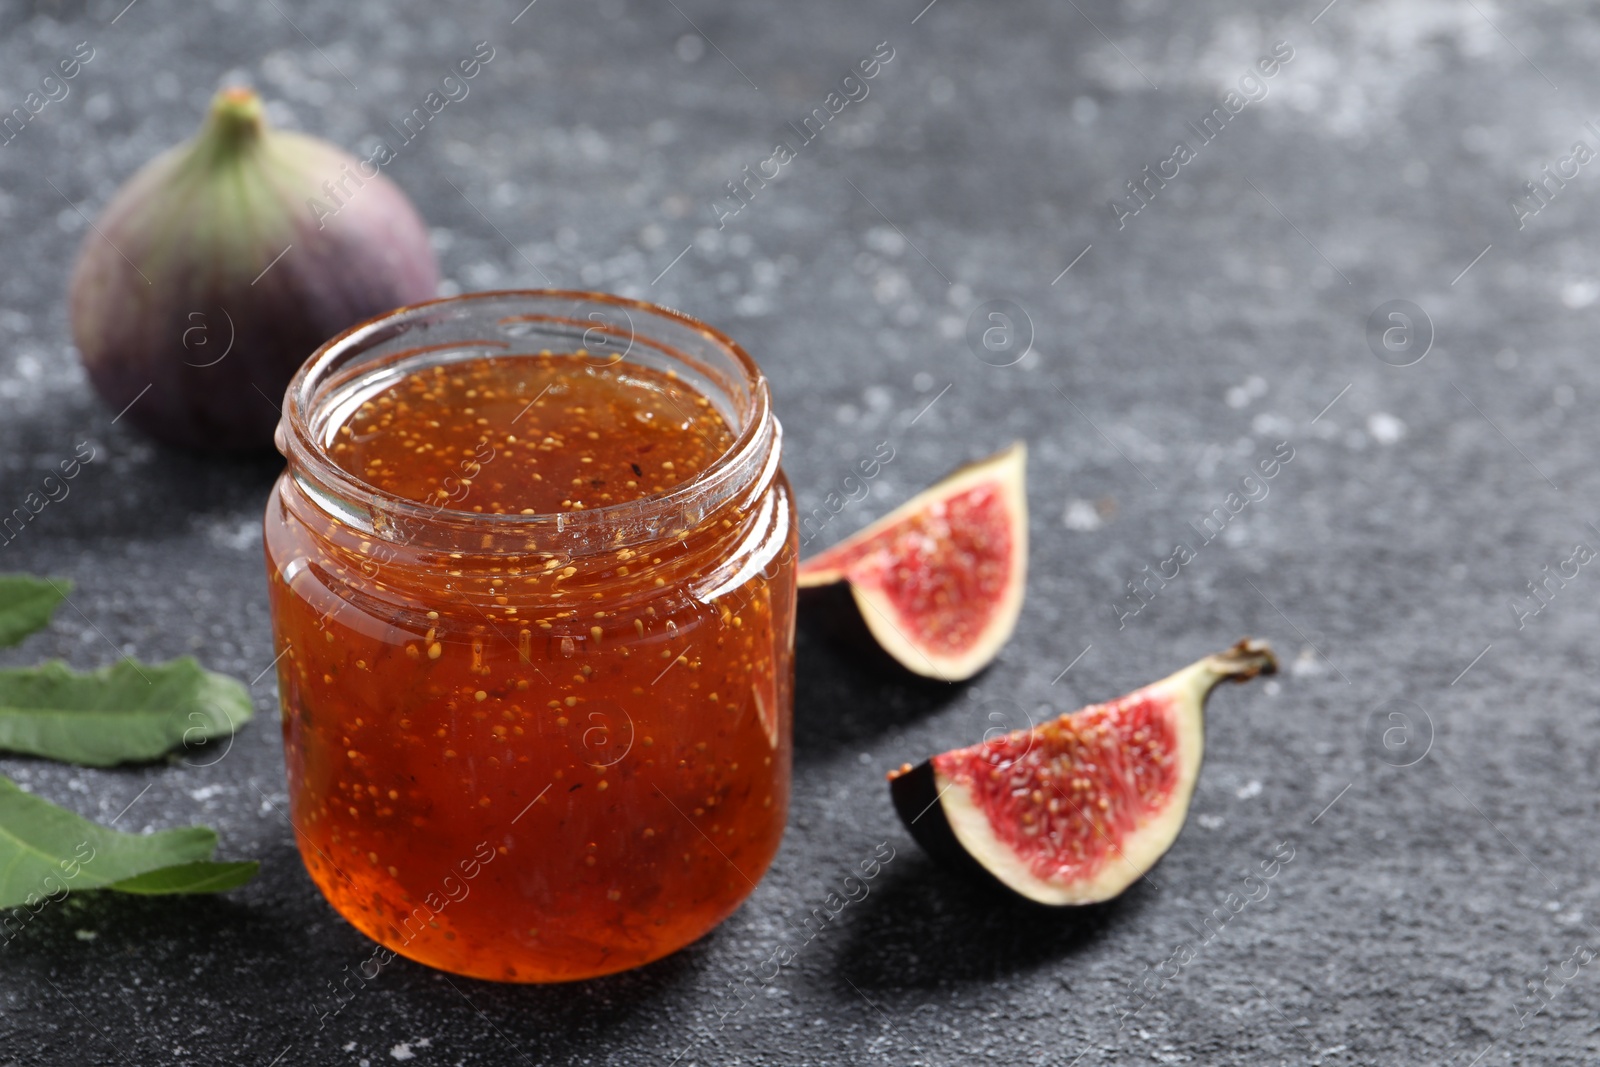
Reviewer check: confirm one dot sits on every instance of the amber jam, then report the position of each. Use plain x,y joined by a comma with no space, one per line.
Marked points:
532,585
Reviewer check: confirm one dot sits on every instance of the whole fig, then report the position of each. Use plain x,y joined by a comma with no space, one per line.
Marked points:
224,262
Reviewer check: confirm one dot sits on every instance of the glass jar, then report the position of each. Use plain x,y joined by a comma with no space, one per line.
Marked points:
534,747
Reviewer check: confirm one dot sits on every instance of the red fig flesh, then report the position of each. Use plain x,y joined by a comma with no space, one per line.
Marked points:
1076,809
939,580
224,262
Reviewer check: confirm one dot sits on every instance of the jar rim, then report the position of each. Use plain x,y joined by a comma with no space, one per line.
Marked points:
752,452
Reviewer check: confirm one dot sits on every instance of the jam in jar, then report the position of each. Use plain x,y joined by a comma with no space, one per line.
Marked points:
532,583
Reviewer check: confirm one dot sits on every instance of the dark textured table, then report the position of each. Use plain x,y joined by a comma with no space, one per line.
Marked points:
1428,755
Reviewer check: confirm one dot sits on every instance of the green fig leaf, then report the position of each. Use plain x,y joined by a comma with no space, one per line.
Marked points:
27,604
202,876
47,851
124,713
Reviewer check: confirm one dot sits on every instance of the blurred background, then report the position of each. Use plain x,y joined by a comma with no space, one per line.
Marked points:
1375,260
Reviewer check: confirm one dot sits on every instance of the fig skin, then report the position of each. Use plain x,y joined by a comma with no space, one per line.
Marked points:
168,297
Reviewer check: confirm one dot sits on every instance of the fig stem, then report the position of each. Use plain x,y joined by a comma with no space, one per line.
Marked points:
236,119
1243,661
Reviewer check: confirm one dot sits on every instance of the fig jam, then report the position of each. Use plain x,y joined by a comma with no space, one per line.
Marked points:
536,709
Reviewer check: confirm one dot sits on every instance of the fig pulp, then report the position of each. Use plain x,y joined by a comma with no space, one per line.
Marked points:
1074,810
939,580
219,267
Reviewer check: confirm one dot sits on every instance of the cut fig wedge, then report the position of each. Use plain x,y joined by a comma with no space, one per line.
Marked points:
1074,810
939,580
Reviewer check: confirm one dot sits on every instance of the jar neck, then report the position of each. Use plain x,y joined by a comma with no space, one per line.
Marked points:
488,573
735,483
502,325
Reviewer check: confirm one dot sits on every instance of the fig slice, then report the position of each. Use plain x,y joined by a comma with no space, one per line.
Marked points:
1076,809
939,580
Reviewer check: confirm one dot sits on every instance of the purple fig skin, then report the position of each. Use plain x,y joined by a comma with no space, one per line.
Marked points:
186,324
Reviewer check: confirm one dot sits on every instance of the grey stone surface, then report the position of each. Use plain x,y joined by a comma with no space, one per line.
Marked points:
1179,350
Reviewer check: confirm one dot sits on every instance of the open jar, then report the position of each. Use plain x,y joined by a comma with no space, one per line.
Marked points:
533,744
